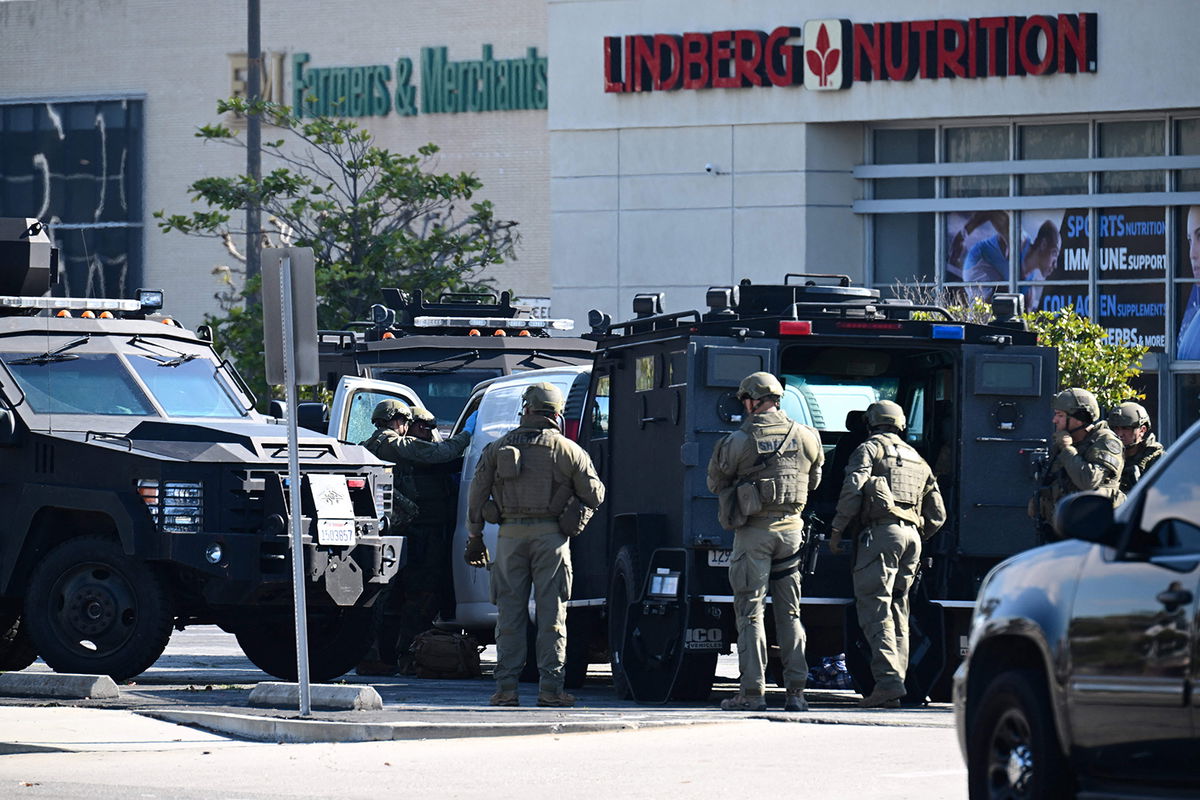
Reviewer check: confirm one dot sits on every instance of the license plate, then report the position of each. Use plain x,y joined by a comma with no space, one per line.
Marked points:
719,558
335,531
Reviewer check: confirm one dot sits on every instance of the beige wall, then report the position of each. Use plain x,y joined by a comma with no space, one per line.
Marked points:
175,55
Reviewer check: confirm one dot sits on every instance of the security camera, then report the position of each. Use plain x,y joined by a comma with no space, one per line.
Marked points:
710,168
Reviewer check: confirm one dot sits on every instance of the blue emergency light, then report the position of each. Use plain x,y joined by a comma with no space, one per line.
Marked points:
948,332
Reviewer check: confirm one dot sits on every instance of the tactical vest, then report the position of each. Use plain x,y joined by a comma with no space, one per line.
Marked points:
1058,483
782,477
402,472
904,475
527,483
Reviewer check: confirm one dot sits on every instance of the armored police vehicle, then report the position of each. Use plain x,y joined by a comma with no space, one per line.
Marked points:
440,350
142,492
662,392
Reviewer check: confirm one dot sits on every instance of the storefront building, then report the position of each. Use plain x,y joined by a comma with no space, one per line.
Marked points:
100,103
1051,151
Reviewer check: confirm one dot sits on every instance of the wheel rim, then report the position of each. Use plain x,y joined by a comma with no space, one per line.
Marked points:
93,609
1011,763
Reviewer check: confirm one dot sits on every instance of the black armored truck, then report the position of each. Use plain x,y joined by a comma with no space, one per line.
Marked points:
651,571
142,492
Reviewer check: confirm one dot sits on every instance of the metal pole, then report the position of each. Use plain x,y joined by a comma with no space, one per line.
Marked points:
253,137
298,576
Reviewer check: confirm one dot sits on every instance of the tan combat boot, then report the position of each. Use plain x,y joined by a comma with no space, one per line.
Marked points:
744,702
795,701
555,699
882,698
505,697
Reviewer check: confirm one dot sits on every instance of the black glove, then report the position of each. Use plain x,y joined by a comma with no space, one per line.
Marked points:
476,553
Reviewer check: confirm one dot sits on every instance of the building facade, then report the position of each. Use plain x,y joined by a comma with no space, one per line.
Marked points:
100,103
916,147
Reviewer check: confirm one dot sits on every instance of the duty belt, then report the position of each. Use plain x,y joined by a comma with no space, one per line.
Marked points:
775,514
527,520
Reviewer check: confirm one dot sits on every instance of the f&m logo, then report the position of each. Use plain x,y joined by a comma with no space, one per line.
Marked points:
825,59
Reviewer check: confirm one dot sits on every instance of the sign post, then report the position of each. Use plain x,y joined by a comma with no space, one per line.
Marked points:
289,335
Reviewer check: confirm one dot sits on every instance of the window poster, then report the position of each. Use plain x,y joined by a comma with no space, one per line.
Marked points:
1132,243
1187,344
1133,314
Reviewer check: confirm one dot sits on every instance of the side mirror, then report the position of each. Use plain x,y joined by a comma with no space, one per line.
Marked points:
277,409
8,428
1087,516
313,416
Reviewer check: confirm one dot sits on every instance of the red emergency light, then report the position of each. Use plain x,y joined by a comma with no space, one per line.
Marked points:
792,327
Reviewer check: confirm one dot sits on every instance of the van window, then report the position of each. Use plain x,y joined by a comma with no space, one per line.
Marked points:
1172,507
824,402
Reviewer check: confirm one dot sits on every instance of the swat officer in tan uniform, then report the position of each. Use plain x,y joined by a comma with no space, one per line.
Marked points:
1131,424
889,504
762,475
412,600
1084,455
533,481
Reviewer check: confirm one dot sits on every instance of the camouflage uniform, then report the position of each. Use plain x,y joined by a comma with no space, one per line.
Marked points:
1144,454
1094,463
530,473
890,502
782,461
413,599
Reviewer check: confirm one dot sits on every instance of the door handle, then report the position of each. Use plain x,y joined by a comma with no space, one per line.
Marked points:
1174,598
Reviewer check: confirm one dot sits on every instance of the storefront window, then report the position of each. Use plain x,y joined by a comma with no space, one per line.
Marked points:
1187,143
977,251
988,143
1130,139
903,246
904,146
1053,141
1187,401
78,168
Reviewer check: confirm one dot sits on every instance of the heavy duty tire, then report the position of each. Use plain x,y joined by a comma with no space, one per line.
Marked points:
624,584
92,609
337,641
1013,749
16,648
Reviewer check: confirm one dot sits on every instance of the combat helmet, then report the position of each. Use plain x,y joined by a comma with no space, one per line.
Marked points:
543,397
424,415
388,410
1077,403
758,385
1129,415
885,412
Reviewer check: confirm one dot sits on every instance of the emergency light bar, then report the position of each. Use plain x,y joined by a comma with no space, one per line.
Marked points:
492,322
70,303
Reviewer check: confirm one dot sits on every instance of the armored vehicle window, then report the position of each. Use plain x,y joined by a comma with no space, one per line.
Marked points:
1009,375
646,378
187,388
600,407
445,394
677,368
92,383
727,366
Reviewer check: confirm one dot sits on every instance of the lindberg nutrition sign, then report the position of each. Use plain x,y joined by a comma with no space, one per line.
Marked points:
832,54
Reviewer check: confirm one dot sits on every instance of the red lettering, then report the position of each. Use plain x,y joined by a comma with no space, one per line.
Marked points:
897,56
867,64
951,45
921,31
749,48
613,82
973,51
993,27
1076,42
1014,63
695,61
670,63
1028,48
783,60
721,56
644,64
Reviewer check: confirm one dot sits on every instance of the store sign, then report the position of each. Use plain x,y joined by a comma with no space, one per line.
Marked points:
835,53
445,86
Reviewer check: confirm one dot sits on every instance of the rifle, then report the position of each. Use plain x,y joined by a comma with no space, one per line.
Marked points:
814,535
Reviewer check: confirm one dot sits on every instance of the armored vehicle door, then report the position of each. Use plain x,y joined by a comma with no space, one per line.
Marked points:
1005,416
356,398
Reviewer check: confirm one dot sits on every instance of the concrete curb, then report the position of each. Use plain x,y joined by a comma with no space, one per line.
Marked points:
322,696
275,729
58,684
